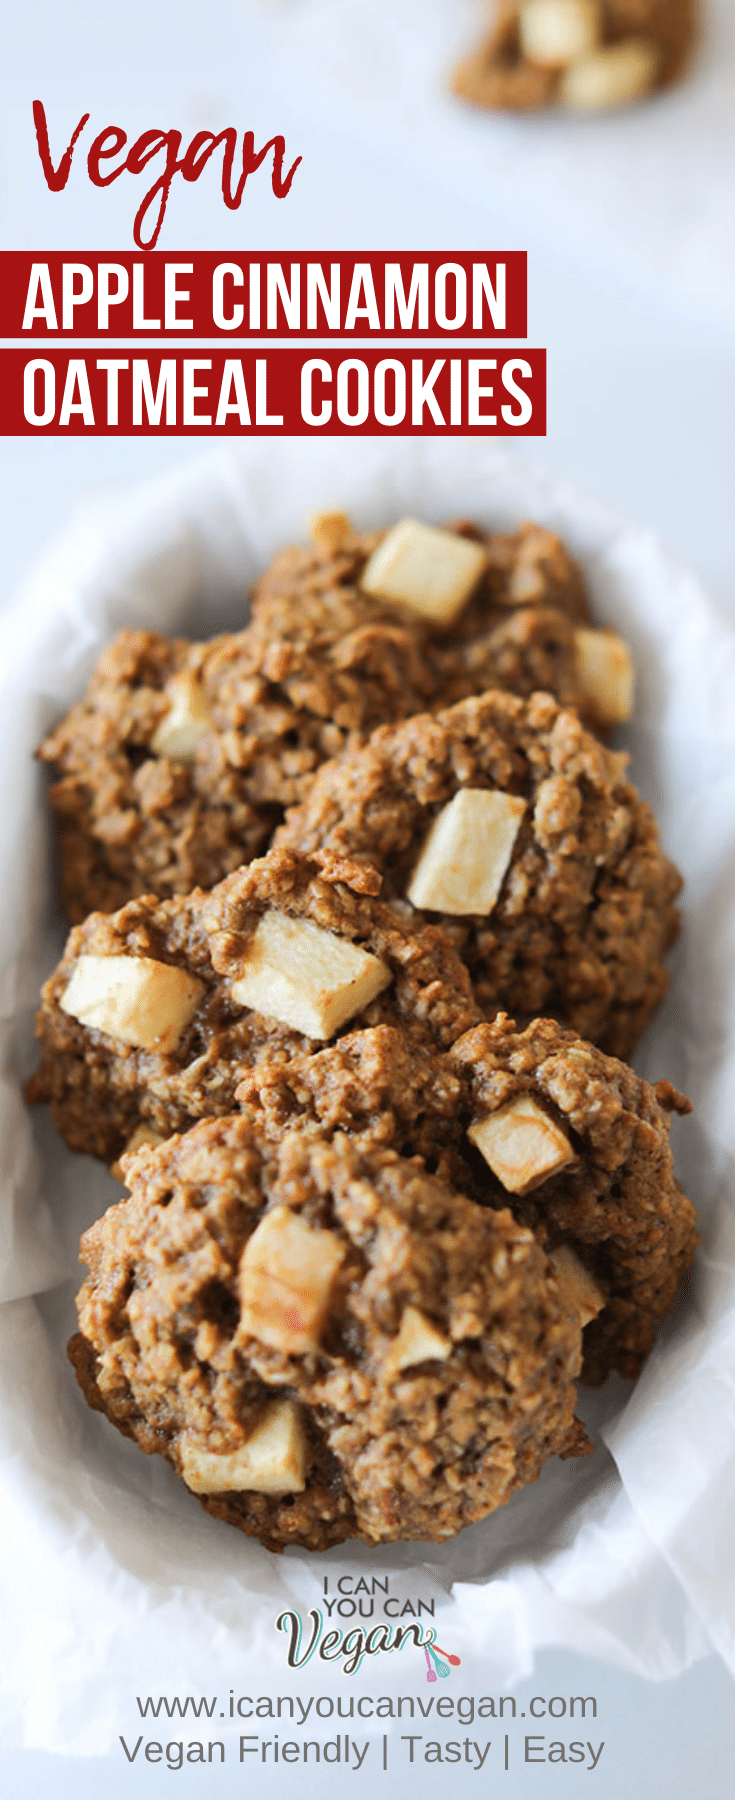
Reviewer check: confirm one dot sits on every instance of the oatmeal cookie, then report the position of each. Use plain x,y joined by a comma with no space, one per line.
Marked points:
516,829
526,567
615,1200
574,1142
178,763
181,759
583,55
324,1340
521,627
154,1011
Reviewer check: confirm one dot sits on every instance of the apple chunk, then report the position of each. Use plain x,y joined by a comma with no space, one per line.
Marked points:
186,722
431,572
605,675
306,977
554,33
287,1272
417,1341
521,1144
467,851
611,75
271,1461
133,999
580,1285
143,1134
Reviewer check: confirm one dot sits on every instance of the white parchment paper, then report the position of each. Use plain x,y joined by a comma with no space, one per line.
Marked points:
117,1584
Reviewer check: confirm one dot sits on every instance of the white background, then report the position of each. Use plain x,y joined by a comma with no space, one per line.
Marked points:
629,229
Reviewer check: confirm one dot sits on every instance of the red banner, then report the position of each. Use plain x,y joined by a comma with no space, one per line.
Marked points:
288,393
268,294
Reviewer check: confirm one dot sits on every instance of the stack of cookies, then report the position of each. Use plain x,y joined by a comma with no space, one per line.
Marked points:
368,922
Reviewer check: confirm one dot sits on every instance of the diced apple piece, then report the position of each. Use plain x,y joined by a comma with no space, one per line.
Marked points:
521,1144
554,33
466,854
330,529
143,1134
133,999
271,1461
186,722
417,1341
306,977
581,1286
432,572
287,1273
605,675
613,75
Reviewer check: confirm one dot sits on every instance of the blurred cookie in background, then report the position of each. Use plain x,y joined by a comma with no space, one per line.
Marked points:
582,55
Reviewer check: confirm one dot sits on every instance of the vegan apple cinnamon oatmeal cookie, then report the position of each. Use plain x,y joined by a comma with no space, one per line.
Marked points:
583,55
582,1146
492,609
154,1011
574,1142
179,762
526,567
323,1339
512,826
